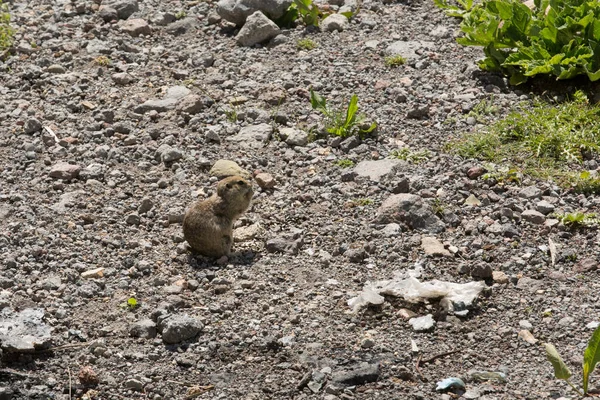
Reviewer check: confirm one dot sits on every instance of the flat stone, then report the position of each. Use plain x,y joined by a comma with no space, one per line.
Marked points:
534,217
586,265
530,192
472,201
65,171
499,277
174,95
93,273
253,136
434,247
136,27
544,207
245,233
375,170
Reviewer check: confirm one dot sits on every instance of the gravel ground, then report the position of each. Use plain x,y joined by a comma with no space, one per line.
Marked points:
111,129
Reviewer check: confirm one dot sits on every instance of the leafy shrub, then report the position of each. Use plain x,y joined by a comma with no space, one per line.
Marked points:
6,31
340,123
303,9
558,37
578,219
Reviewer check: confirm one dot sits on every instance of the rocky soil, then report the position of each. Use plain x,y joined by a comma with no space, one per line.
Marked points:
114,117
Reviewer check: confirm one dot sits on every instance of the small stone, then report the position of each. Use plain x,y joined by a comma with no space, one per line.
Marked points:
265,180
534,217
284,245
499,277
32,125
335,22
367,343
134,384
376,170
586,265
544,207
253,136
65,171
133,219
245,233
524,324
527,336
530,192
93,273
293,136
365,373
475,172
145,205
422,324
472,201
122,78
136,27
56,69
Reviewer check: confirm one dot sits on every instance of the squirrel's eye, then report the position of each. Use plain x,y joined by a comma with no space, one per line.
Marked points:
229,185
240,182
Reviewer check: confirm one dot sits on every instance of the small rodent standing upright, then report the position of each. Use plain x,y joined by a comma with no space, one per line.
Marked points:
208,224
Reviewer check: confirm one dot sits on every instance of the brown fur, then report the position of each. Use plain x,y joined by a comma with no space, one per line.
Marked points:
208,224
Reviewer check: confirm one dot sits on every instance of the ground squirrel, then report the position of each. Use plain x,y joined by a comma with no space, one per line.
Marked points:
208,224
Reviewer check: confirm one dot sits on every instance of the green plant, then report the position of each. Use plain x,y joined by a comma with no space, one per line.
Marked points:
413,157
460,11
344,163
303,9
502,175
7,33
306,44
102,60
578,219
591,357
485,107
340,123
362,202
181,14
545,141
395,61
556,37
438,207
131,304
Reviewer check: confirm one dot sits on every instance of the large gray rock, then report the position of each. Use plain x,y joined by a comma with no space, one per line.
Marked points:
24,331
365,373
178,328
410,210
124,8
257,29
253,136
237,11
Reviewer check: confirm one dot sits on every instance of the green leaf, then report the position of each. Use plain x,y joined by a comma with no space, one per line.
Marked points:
352,109
561,371
348,14
132,302
318,102
591,358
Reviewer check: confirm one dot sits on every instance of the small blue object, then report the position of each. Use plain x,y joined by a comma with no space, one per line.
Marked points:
450,383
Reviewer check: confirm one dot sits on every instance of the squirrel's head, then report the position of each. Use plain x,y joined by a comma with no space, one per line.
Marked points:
234,187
